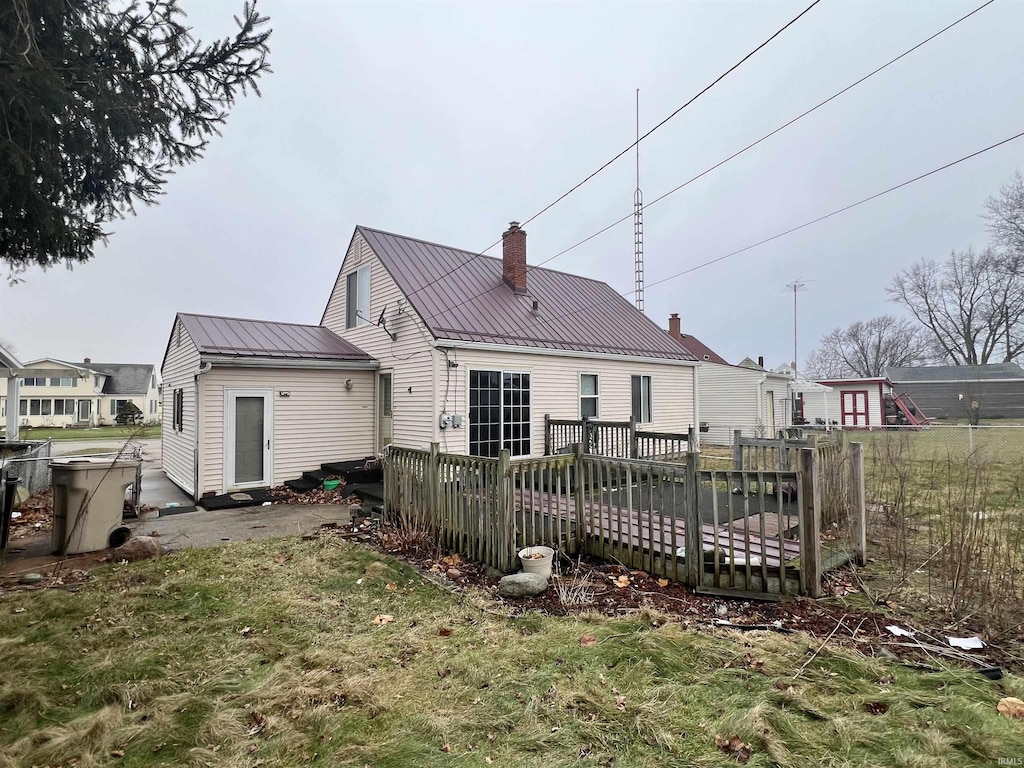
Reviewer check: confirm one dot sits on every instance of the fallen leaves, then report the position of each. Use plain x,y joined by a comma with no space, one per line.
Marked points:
391,586
662,582
620,703
622,581
444,632
447,748
383,618
587,641
257,723
246,631
735,748
1011,708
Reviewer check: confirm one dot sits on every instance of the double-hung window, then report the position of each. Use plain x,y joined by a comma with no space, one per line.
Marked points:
589,395
641,396
64,382
499,413
357,298
64,407
33,382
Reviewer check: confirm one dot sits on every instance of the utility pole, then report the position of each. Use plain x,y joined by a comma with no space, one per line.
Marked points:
795,286
638,220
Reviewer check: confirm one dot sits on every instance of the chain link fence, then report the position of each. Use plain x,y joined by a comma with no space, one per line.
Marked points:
29,461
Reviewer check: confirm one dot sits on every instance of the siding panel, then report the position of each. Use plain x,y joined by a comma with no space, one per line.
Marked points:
179,370
319,421
410,358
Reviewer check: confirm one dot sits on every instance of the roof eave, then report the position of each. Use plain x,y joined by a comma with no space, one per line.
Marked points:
522,349
252,361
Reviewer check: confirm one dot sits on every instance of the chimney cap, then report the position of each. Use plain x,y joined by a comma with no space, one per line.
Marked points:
674,315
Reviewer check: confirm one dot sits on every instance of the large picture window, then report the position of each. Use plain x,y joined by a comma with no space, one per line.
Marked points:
642,399
357,298
499,413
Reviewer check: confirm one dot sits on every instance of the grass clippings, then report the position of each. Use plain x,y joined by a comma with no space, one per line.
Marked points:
234,657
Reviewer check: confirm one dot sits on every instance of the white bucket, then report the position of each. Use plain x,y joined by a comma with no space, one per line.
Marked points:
539,565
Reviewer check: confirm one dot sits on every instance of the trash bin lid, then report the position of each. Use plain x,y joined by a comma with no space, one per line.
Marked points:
91,462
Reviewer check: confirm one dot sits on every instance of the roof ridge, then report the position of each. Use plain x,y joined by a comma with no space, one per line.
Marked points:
477,254
253,320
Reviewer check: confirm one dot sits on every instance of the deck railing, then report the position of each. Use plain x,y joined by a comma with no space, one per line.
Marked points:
615,439
753,530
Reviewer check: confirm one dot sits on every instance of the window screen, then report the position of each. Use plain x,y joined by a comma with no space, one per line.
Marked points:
641,398
588,395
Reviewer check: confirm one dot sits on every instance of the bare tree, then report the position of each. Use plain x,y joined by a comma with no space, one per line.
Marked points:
867,349
1005,215
972,304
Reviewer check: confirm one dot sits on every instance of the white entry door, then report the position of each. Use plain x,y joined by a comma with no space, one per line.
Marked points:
248,438
385,413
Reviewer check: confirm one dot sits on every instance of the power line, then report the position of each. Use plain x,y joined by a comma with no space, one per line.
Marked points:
789,231
708,170
576,186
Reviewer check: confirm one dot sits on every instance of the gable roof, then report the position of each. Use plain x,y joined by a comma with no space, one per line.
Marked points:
260,338
951,373
124,378
699,349
575,314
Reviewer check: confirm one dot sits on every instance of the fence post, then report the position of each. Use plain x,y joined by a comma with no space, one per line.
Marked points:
578,498
810,523
858,502
634,448
503,516
737,450
691,523
433,479
691,439
587,446
547,434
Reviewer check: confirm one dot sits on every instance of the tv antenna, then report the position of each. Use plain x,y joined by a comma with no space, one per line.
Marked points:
797,285
638,219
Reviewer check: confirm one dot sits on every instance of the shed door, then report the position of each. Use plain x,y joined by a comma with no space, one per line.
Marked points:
854,408
249,438
385,413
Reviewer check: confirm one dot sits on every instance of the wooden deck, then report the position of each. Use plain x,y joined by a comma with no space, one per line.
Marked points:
654,532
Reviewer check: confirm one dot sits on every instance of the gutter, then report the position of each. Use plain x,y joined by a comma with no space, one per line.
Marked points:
524,350
245,361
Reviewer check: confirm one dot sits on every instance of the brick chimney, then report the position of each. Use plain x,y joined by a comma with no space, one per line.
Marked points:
513,257
86,361
673,327
760,360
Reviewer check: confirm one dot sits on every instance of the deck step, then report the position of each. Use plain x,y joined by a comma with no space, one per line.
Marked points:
302,485
354,471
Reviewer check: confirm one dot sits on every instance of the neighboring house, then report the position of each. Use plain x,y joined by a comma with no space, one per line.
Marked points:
436,344
948,391
86,394
742,397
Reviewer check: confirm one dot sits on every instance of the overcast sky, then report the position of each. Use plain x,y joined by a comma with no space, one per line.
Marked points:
445,121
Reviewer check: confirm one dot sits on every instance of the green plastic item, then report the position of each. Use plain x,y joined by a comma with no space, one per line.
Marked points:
331,485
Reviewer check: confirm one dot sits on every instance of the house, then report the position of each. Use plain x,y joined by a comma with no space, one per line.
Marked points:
742,397
859,403
418,343
57,393
949,391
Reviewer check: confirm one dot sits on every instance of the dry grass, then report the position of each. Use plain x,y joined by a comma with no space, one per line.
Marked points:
272,653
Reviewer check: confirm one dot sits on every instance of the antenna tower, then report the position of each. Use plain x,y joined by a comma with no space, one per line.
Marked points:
638,218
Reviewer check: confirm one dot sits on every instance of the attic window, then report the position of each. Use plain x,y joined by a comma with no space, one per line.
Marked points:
357,298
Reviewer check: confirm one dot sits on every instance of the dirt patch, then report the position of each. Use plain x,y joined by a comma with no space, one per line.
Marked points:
34,515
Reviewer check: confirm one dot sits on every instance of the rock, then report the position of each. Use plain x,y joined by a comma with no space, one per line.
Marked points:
30,578
139,548
454,573
492,573
522,585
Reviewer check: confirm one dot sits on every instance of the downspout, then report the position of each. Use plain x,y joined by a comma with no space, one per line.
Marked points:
204,368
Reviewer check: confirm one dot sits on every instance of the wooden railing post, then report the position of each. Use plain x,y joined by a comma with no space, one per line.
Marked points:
578,499
737,450
634,448
810,523
433,481
858,502
503,513
585,437
547,434
691,522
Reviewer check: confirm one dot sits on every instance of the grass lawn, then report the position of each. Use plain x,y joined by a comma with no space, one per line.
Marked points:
97,433
276,653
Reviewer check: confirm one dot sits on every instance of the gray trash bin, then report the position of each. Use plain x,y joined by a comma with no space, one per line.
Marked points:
88,527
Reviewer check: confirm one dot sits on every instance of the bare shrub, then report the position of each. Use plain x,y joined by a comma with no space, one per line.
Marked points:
575,591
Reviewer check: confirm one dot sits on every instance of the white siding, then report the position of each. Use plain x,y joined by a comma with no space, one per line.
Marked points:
319,421
554,386
814,406
728,401
410,358
178,448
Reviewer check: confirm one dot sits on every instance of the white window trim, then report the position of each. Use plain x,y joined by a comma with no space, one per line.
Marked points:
650,397
360,320
596,396
230,393
501,423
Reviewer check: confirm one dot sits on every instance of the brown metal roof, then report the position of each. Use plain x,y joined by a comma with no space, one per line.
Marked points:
259,338
574,314
699,349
